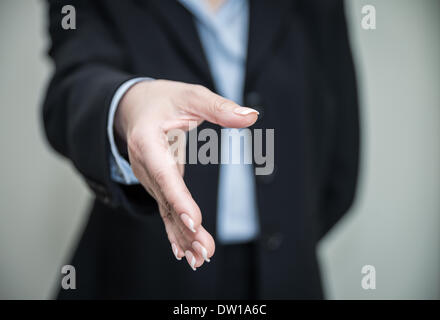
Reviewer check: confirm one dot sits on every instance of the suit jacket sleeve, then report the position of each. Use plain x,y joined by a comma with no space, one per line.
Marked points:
328,22
90,65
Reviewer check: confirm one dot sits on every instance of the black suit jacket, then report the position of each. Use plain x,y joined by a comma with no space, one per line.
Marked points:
300,75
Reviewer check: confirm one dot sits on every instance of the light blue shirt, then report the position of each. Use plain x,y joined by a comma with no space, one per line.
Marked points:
224,36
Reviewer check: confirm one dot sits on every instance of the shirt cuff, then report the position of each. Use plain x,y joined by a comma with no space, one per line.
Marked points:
120,169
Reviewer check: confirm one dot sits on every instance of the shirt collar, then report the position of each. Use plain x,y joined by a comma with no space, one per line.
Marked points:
210,19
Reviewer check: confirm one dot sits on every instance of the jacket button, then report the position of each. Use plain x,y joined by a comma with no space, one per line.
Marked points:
268,178
274,241
100,192
105,199
253,100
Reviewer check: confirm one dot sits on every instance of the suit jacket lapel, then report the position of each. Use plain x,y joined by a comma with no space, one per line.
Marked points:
178,21
266,21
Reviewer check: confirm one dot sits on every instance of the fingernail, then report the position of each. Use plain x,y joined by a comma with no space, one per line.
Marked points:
188,221
175,251
191,259
199,248
245,111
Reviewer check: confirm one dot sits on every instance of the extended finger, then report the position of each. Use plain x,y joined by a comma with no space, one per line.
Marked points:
216,109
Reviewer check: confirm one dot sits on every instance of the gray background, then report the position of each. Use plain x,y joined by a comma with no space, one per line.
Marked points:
394,224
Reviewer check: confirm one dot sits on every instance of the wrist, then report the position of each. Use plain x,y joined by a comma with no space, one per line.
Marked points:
125,109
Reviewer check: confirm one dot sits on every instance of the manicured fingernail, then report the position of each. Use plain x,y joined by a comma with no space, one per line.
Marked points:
245,111
175,251
191,259
201,249
188,222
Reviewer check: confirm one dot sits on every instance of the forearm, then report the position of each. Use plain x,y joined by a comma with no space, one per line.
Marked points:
89,68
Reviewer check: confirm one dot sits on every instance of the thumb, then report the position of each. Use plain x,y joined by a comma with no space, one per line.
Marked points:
216,109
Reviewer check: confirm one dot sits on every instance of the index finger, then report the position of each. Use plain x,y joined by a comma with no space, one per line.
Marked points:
167,182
